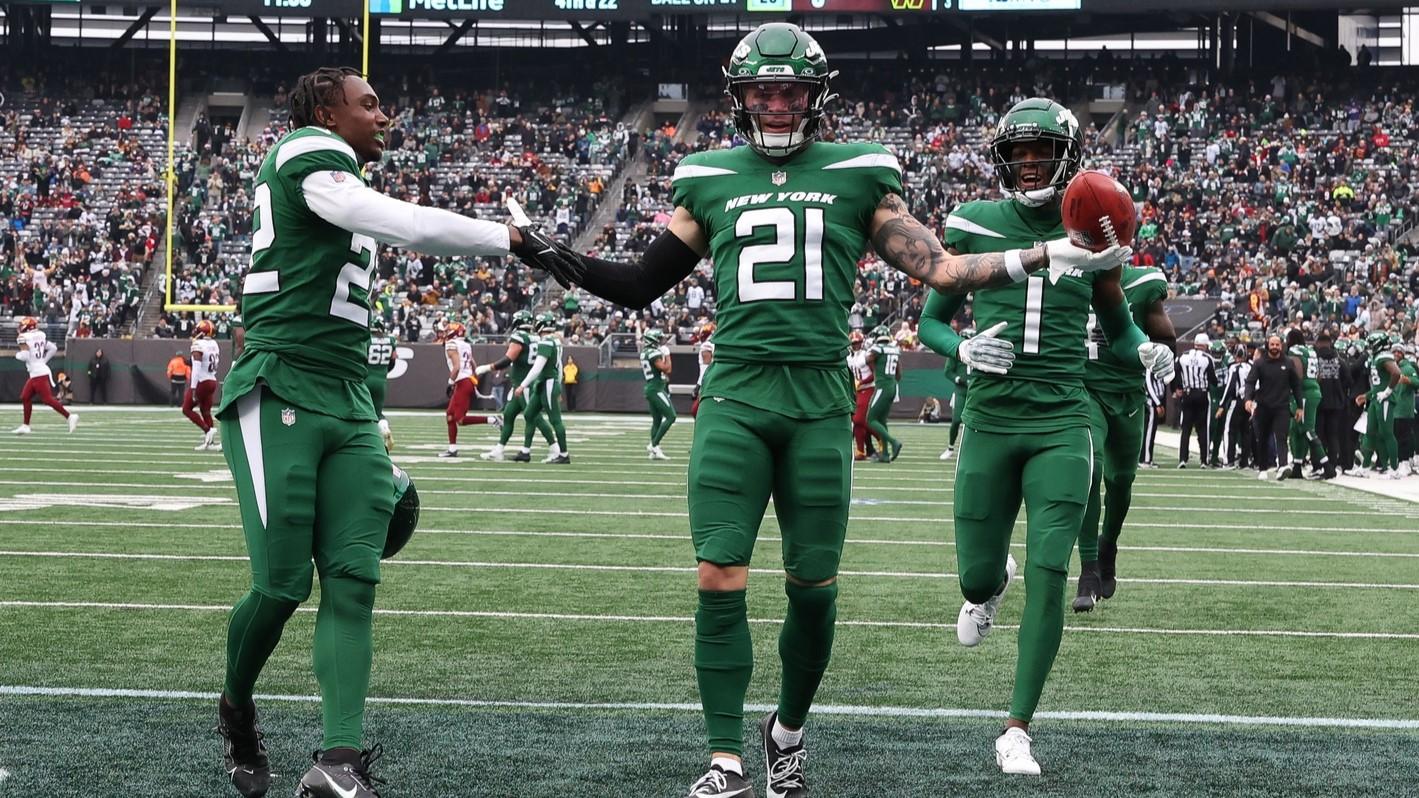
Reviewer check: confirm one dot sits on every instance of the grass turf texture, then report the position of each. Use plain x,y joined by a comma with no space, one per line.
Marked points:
533,583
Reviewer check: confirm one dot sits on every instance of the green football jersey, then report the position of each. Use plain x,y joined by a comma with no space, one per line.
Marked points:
523,363
305,295
1404,394
785,239
885,366
381,354
654,377
549,347
1379,378
1307,356
1104,371
1044,320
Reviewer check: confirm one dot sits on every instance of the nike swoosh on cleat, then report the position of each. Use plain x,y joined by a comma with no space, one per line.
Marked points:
729,794
350,793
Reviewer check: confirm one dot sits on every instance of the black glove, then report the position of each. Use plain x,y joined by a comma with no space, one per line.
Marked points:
540,251
448,394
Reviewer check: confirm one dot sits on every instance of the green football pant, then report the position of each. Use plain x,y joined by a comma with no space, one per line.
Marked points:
662,415
1116,429
1049,472
1215,426
517,406
293,469
740,457
877,412
1303,435
544,404
1379,435
377,387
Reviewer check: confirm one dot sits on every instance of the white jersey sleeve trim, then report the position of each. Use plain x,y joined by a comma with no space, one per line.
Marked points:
351,205
692,170
869,161
261,283
305,145
1151,277
967,226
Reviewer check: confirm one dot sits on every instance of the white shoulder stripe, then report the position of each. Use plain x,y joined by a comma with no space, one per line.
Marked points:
871,160
691,170
308,144
1151,277
967,226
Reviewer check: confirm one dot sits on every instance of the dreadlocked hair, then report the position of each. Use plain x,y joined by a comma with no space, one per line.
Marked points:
323,87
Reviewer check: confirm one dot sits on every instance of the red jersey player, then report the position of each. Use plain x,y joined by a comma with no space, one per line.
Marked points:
35,352
201,389
862,374
462,383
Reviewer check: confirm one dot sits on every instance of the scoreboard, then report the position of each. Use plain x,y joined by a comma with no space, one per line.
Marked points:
640,9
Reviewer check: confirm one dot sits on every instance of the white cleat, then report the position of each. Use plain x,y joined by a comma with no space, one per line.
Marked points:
975,620
1012,753
657,454
495,454
495,421
209,441
23,429
1263,475
553,452
201,447
946,455
1282,472
386,435
73,421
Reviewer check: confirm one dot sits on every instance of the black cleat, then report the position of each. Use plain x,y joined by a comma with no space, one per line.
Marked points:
785,765
328,779
718,783
448,453
1089,590
563,459
896,452
522,457
243,754
1108,560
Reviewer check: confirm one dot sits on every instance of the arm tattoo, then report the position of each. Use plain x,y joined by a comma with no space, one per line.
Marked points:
908,245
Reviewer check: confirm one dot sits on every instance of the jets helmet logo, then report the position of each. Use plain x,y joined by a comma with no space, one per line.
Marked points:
1066,118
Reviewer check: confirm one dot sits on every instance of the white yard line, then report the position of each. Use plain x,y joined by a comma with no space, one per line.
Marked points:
822,709
407,563
687,619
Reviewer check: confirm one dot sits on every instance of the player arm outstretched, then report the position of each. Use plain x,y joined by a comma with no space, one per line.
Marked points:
907,245
514,351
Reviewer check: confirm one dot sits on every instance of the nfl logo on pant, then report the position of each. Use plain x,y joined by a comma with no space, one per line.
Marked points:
288,416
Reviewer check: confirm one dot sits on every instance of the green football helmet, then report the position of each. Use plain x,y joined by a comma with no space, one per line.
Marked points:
546,322
881,333
1032,120
377,324
406,514
522,320
653,337
1377,342
778,53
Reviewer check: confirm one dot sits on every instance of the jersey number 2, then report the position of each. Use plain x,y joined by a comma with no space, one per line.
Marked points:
783,250
356,273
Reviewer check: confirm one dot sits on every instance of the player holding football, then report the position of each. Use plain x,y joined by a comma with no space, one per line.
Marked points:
519,357
1118,410
655,366
1027,437
206,356
784,220
298,423
542,388
883,359
35,351
461,384
381,359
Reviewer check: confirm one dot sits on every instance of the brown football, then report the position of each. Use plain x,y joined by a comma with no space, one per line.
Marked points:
1098,212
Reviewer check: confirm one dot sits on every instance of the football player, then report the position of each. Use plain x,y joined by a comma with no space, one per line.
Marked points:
958,373
1027,437
883,359
1221,360
1379,422
206,356
519,357
1404,407
461,384
381,359
543,388
1303,434
706,359
655,366
35,351
298,425
1118,411
863,378
783,220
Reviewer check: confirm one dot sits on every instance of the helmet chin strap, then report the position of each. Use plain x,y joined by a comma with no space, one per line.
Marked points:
1034,198
781,144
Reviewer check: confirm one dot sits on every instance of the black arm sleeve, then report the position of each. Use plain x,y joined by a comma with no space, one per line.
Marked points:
667,261
502,363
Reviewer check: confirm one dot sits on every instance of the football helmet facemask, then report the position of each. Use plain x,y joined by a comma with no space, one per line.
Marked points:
778,58
1037,119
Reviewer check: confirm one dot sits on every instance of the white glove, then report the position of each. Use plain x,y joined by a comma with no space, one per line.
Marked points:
1384,395
987,353
483,369
1158,359
1063,256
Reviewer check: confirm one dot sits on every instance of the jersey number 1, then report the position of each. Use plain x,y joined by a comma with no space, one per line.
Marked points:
783,250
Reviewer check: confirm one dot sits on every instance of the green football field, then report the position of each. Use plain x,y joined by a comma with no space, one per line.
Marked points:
534,639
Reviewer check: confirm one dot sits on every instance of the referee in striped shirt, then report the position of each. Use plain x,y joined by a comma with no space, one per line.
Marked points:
1196,373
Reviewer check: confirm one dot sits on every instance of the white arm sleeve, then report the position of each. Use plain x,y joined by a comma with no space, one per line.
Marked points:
532,375
351,205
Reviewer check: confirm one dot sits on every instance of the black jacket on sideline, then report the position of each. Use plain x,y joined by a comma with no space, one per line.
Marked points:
1274,382
1333,378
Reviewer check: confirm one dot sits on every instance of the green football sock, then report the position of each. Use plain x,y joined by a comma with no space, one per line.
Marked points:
344,648
665,423
724,662
1089,530
551,433
510,414
880,430
1041,628
253,631
805,645
1118,497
